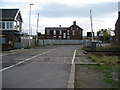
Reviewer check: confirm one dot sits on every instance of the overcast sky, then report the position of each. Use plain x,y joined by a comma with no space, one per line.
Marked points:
63,12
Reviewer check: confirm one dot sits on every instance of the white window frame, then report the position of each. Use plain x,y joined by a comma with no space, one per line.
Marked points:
60,37
54,32
68,37
54,37
64,35
77,28
11,25
4,25
60,32
48,32
73,32
68,32
8,25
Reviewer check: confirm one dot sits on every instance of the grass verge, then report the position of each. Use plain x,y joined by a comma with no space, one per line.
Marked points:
109,66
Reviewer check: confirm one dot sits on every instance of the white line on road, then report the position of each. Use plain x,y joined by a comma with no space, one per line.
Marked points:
79,60
25,60
72,73
73,56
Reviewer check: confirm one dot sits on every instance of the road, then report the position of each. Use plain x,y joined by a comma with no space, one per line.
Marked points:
39,67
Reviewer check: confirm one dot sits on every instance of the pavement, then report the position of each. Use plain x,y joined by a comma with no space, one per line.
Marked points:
42,67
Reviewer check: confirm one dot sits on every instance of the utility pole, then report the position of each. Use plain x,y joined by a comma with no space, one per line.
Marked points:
37,30
91,24
29,24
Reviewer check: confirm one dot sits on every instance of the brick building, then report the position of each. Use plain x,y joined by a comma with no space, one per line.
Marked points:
74,32
117,27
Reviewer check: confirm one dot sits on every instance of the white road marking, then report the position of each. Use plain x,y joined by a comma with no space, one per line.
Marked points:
73,57
79,60
72,73
25,60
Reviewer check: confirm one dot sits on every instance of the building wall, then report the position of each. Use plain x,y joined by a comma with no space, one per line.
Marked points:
117,30
73,32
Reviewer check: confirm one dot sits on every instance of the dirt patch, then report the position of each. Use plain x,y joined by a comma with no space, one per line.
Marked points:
87,77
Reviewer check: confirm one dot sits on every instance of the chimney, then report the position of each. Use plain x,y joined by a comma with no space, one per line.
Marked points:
59,25
74,22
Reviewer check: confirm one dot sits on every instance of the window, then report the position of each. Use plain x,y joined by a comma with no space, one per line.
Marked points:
60,32
48,32
60,37
68,33
0,25
7,25
64,35
54,32
77,28
11,25
54,37
3,40
3,25
68,37
73,32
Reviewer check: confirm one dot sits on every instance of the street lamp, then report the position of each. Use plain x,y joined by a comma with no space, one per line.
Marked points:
30,22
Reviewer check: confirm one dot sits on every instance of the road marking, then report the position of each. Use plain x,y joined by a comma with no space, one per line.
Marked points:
25,60
72,73
79,60
73,57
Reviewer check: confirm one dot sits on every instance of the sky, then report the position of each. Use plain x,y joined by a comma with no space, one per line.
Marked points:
63,12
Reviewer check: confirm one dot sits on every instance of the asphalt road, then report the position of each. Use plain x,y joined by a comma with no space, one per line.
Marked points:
40,67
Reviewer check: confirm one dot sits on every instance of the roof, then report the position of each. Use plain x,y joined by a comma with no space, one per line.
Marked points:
9,14
56,28
63,28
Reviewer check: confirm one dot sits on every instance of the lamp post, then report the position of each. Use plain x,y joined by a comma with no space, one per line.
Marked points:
30,23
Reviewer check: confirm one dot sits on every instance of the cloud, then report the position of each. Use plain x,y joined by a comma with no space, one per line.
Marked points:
58,10
64,12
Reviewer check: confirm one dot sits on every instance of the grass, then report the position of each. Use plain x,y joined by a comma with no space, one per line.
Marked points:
101,58
86,48
109,67
111,48
77,81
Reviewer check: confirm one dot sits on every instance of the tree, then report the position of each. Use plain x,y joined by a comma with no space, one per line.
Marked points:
104,35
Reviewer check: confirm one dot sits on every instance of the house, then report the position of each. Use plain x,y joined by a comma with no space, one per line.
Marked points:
11,27
74,32
117,27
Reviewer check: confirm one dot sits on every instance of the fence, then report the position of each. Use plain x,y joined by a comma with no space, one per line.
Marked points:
58,42
25,42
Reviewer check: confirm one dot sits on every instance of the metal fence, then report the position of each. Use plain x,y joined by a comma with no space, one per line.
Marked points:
58,42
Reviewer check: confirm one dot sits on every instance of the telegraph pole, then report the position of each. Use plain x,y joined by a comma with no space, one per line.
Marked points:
37,30
91,24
